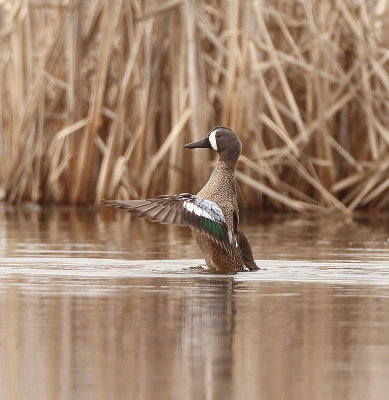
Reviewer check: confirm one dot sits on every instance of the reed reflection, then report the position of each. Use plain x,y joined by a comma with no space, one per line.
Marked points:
152,338
72,232
166,338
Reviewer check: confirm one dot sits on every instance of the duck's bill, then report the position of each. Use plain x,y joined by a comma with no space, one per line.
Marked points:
204,143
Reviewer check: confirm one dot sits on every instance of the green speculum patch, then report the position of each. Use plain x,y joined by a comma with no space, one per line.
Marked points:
213,228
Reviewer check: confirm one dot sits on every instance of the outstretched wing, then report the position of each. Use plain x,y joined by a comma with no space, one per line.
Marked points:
183,209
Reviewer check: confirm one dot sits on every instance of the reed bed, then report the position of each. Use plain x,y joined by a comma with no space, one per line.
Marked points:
98,98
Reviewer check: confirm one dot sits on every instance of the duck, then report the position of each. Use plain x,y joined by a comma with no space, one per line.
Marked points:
212,214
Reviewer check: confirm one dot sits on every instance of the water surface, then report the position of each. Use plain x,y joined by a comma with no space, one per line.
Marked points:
103,306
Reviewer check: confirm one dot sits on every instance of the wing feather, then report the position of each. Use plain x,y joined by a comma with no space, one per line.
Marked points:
162,214
247,253
183,209
176,214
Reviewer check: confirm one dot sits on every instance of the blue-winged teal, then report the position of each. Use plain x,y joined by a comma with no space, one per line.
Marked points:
213,214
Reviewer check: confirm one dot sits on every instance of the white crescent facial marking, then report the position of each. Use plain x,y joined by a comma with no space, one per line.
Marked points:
212,139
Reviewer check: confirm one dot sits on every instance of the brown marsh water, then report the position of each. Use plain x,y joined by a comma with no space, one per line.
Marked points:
102,306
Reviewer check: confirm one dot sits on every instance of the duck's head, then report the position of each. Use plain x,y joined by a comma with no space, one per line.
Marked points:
221,139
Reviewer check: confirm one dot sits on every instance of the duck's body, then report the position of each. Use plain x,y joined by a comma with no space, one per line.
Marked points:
213,214
221,189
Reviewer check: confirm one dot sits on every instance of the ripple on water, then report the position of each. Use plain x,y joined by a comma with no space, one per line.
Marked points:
351,272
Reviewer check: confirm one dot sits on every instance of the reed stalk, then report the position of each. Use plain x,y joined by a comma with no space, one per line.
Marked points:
99,97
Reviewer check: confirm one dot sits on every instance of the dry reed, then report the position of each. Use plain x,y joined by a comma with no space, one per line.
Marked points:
99,97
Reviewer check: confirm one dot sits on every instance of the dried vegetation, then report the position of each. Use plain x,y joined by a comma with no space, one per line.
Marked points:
98,98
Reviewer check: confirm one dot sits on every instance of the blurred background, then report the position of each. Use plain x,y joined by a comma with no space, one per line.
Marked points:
99,97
